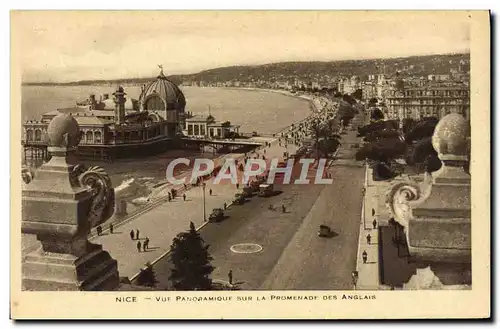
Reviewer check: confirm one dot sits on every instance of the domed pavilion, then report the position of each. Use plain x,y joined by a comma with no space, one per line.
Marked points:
117,126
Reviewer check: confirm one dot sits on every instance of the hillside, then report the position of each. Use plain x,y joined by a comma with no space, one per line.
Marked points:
415,65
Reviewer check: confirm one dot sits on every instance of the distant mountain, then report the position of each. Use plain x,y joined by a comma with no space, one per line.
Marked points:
414,65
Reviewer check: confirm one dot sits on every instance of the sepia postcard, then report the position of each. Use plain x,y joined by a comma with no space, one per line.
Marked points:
250,164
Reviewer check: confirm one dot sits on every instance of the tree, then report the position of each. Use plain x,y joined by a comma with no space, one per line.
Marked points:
422,129
346,119
210,119
372,102
147,276
377,115
191,262
329,145
374,126
349,99
358,94
381,134
226,124
382,151
382,171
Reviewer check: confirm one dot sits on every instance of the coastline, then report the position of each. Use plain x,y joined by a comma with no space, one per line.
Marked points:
312,106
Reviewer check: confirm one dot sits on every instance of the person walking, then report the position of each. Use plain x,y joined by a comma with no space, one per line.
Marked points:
368,238
373,212
210,192
230,276
237,185
99,230
139,246
374,224
132,234
111,228
365,257
283,209
184,196
137,234
225,206
146,243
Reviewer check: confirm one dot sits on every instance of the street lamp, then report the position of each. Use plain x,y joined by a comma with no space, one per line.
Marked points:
204,211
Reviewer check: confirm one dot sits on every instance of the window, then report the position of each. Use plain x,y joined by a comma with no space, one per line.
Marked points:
38,135
29,134
89,137
97,137
155,103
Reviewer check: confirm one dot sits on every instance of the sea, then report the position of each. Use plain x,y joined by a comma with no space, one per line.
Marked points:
254,110
266,112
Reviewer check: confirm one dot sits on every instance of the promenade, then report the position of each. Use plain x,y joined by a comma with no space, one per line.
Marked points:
162,223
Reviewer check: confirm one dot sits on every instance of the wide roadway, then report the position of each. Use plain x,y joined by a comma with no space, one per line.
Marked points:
293,257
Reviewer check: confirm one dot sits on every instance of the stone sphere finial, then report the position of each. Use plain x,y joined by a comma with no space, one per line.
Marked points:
63,131
450,138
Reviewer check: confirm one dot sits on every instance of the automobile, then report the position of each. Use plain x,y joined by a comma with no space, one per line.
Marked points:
248,191
265,190
282,164
324,231
239,199
217,215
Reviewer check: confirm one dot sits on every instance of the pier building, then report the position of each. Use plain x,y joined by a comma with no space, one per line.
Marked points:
117,127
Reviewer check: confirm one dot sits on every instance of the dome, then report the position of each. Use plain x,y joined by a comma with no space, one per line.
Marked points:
162,92
450,138
60,126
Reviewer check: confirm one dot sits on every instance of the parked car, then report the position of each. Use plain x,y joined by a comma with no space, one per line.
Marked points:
239,198
217,215
266,190
248,191
324,231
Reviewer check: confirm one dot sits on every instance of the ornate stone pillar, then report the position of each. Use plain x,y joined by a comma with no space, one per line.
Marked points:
436,215
61,202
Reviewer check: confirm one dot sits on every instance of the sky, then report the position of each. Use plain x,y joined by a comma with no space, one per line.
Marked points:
69,46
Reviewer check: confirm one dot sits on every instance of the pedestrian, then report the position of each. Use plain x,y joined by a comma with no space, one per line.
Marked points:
185,186
184,196
111,228
237,185
230,276
373,212
368,238
146,242
210,192
225,206
283,209
137,234
132,234
139,246
374,224
99,230
169,197
365,257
